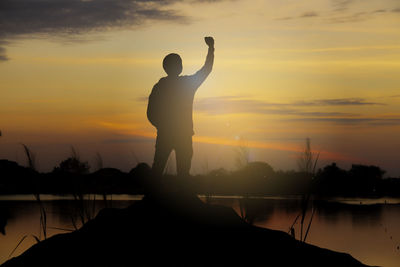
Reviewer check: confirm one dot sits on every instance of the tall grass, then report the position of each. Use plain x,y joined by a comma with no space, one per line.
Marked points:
31,159
30,156
242,158
19,243
99,163
84,206
244,207
43,219
242,154
74,153
307,163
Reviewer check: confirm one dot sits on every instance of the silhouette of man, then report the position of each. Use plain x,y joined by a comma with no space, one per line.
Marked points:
170,110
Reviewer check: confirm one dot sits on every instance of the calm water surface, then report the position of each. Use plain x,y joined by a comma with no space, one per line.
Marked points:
368,229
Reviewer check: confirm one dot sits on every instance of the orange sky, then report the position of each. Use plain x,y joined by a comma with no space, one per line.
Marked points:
72,74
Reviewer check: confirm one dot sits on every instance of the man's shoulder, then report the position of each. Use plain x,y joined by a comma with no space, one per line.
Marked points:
179,78
183,80
162,80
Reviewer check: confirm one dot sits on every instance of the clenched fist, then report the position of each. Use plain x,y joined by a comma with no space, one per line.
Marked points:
209,41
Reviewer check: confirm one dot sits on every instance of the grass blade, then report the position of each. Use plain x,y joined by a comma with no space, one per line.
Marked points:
74,223
295,220
62,229
19,243
36,238
309,225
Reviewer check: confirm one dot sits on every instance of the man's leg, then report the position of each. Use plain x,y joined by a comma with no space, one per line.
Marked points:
163,149
184,153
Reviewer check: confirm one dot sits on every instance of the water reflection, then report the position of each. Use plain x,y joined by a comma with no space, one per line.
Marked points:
330,212
23,220
369,232
360,215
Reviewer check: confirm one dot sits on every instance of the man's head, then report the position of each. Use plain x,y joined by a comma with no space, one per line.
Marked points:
172,64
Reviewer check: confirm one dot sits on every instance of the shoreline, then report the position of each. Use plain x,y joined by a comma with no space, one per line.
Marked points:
160,218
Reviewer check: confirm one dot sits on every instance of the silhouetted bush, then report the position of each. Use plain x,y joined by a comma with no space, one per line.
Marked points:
73,165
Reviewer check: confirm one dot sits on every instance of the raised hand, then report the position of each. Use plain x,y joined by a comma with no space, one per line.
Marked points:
209,41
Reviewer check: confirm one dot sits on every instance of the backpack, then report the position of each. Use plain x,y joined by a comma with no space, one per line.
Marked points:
154,104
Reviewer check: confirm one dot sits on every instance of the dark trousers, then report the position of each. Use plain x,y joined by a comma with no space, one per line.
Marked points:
183,152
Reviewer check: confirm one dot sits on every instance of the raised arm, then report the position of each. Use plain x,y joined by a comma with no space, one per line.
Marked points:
202,74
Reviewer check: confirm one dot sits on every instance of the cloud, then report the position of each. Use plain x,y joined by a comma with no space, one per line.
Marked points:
69,18
379,11
308,14
343,11
359,16
342,16
76,16
338,102
241,104
347,11
285,18
354,121
355,17
3,56
341,5
236,104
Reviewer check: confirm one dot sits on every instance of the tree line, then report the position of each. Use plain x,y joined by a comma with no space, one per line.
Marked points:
253,178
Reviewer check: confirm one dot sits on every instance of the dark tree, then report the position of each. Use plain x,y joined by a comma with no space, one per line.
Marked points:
73,165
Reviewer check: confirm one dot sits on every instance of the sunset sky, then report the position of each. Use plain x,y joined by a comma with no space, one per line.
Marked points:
78,73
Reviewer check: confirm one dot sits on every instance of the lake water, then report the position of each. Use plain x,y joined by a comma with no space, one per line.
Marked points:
368,229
